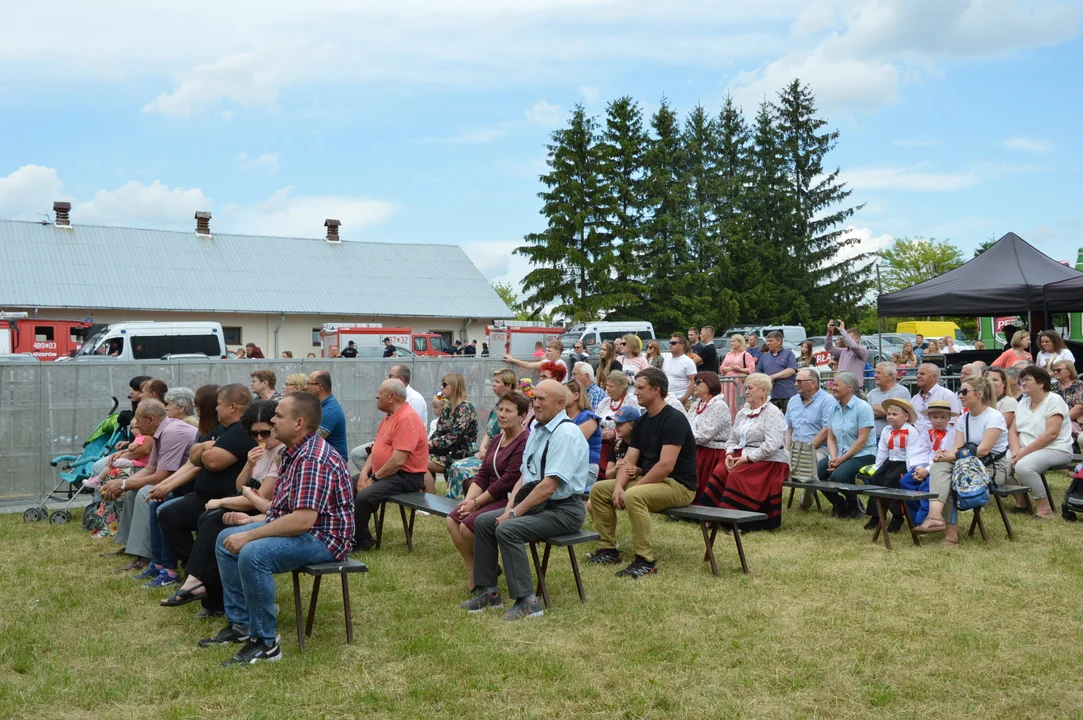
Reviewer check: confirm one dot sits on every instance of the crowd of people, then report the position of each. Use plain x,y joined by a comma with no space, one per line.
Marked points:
221,488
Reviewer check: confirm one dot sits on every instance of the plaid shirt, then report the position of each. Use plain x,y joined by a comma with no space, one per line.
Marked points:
313,476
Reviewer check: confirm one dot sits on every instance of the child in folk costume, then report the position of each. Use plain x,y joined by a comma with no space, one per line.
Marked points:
901,450
941,436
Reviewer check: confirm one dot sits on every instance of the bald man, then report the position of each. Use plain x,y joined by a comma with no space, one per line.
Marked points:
397,462
929,389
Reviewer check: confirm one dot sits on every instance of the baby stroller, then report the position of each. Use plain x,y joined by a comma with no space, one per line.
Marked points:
1073,497
77,468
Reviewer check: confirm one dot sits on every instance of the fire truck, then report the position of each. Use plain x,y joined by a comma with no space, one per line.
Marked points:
519,340
369,340
44,339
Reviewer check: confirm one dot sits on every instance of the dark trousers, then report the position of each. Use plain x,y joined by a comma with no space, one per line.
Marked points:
888,476
845,473
368,500
555,517
179,521
203,562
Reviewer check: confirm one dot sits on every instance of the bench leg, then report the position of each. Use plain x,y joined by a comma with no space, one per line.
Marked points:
346,607
380,524
542,589
981,525
407,527
816,497
881,528
297,608
708,549
740,548
575,571
1048,495
910,524
789,503
714,531
312,605
973,523
1004,517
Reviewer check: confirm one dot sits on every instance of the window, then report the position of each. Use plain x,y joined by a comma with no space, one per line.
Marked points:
43,333
197,344
232,335
150,347
420,344
317,341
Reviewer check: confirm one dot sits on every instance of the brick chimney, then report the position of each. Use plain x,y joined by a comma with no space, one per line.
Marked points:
203,223
61,211
332,230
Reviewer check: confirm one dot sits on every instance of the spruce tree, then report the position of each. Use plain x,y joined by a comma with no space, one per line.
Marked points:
573,254
733,143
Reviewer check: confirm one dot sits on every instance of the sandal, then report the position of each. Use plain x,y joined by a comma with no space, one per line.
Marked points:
183,597
924,529
950,543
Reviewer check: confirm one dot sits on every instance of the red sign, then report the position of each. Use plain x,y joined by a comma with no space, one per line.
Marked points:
1000,322
821,358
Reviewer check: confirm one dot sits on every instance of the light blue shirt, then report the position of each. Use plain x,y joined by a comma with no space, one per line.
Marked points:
806,421
566,460
847,420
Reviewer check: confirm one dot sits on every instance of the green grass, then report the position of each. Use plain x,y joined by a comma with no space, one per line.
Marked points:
827,625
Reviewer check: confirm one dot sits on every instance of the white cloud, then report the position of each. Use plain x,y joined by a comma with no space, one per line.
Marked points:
1029,145
543,113
474,136
137,205
590,93
866,243
267,161
285,214
814,19
29,192
911,179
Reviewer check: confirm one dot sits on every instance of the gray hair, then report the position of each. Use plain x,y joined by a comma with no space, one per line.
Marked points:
934,369
814,374
775,335
1012,372
151,408
395,386
183,398
969,368
760,380
889,367
585,368
848,378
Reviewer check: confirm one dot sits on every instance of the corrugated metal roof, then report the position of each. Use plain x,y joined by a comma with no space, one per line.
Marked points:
86,266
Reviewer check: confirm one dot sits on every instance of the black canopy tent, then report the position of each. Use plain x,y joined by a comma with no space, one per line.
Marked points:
1065,296
1007,279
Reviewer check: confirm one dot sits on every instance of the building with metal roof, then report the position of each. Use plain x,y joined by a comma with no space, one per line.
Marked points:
253,285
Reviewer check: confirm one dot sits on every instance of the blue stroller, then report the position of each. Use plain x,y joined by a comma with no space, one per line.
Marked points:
77,468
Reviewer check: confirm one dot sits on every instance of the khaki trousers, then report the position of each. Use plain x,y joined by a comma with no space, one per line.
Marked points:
640,501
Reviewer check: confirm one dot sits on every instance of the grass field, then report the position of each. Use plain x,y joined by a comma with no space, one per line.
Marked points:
827,625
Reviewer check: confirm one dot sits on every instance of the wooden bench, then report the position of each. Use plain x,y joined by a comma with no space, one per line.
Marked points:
569,541
343,568
427,502
710,518
824,487
999,492
881,496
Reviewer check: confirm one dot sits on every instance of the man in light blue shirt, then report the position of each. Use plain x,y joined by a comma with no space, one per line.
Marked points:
807,415
850,443
545,502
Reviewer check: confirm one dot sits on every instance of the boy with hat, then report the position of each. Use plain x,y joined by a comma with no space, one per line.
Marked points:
941,436
625,420
902,449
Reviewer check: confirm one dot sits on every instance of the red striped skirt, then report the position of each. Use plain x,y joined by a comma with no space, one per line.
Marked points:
706,460
755,487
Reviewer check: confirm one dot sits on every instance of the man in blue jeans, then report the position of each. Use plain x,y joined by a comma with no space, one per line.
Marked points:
310,520
850,444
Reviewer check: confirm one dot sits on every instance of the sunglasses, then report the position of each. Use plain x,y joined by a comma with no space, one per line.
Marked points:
443,384
260,433
697,382
964,392
673,342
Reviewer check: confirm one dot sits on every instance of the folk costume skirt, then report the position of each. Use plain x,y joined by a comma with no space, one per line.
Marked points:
754,487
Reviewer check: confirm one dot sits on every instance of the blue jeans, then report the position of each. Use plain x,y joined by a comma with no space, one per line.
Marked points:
248,582
161,554
845,473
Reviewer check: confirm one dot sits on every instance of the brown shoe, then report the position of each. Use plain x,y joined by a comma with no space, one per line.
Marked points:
136,564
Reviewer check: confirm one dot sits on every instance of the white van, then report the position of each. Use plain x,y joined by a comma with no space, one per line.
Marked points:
793,333
593,334
155,340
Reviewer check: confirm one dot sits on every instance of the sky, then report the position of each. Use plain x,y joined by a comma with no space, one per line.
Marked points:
426,121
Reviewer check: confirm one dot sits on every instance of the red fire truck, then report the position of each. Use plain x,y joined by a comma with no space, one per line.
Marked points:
44,339
519,340
368,339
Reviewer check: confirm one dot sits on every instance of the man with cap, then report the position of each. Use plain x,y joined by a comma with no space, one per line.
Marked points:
901,449
389,349
351,350
458,349
471,349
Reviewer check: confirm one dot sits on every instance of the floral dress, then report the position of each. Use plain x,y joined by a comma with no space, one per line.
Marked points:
463,470
456,432
102,517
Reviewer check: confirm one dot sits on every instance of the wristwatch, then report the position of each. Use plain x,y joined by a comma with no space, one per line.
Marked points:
511,513
124,484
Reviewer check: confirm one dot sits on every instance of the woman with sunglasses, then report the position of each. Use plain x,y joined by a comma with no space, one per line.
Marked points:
654,354
456,429
633,361
710,419
1070,387
256,484
1041,438
737,365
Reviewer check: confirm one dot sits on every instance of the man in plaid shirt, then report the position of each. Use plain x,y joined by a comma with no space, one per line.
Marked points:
310,520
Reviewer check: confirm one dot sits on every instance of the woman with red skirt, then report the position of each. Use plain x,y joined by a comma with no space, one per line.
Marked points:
709,417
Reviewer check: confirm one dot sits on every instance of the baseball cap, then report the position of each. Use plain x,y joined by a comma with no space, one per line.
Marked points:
387,339
627,414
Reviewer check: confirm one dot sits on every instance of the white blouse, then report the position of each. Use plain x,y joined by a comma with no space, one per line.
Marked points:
710,422
759,434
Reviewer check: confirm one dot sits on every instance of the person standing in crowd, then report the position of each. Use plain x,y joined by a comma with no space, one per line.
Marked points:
807,416
694,345
578,354
908,358
1052,348
397,463
711,421
780,365
263,385
754,345
485,349
756,464
351,350
1018,350
932,348
286,355
471,349
544,503
633,356
659,472
919,346
947,345
850,443
708,352
807,358
310,521
295,382
389,348
456,429
552,354
679,369
738,364
332,352
928,390
654,354
1041,438
539,349
852,355
607,359
333,425
252,352
887,386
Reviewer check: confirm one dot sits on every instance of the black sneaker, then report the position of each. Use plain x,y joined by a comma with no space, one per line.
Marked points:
482,602
228,634
605,556
835,513
255,651
896,524
639,568
209,614
871,524
364,544
855,513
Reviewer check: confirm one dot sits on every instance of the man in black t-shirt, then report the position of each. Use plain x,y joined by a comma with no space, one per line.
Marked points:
708,353
351,350
659,472
389,349
221,464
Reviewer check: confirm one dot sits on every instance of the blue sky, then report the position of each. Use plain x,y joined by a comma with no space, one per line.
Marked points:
426,121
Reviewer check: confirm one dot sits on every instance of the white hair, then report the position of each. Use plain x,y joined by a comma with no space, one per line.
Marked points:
934,369
888,367
848,378
585,368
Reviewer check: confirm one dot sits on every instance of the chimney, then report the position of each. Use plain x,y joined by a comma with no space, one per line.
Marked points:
332,230
203,223
61,210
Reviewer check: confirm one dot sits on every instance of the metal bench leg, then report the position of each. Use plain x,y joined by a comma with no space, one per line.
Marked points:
346,607
1049,495
910,524
297,608
1004,517
575,571
380,523
881,528
407,527
740,548
541,589
312,605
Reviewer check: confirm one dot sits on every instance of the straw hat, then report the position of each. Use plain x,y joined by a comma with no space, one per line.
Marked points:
938,405
903,405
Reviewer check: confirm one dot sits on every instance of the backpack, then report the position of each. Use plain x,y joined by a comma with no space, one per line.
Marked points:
970,483
1073,498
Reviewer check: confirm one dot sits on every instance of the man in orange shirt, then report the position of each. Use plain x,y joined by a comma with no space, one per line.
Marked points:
397,462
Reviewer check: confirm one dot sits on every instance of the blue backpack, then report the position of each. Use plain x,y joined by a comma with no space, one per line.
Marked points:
969,478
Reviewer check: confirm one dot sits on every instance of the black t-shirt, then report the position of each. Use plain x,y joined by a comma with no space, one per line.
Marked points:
389,351
709,355
470,350
211,485
617,450
349,352
668,427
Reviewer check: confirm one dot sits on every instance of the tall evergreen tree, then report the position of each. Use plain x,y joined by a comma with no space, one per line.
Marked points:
733,143
819,218
573,256
622,146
